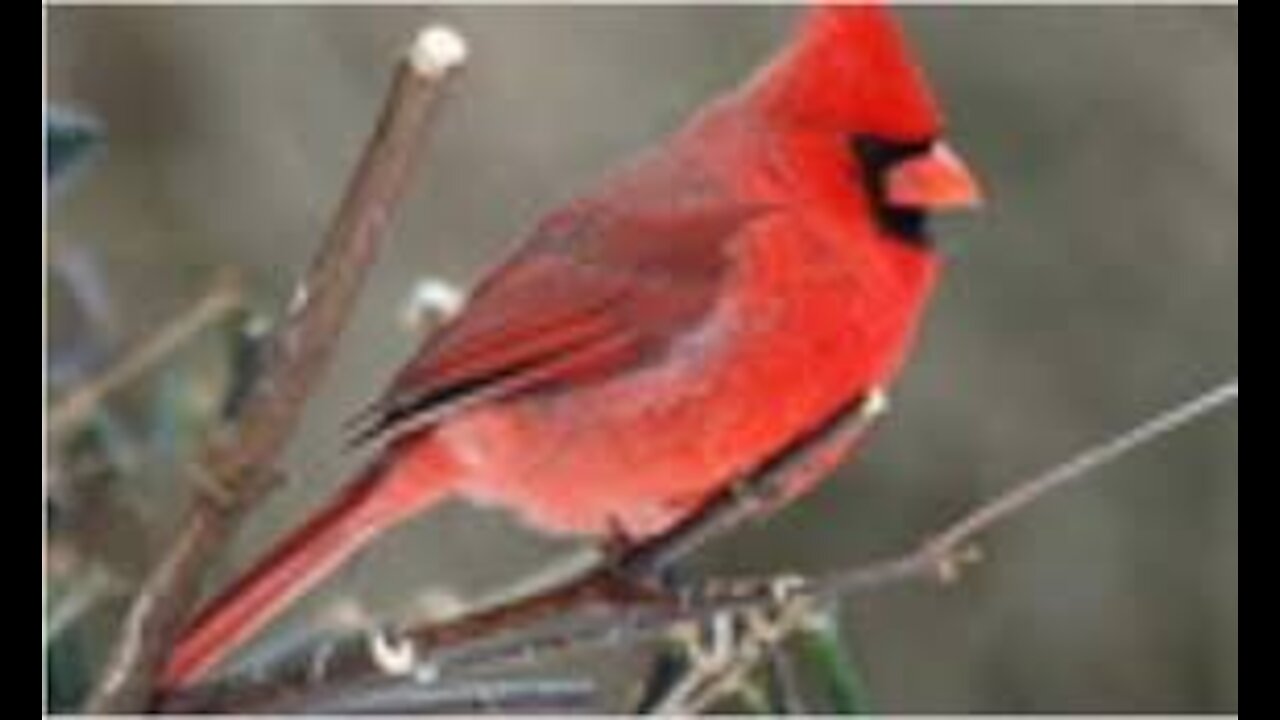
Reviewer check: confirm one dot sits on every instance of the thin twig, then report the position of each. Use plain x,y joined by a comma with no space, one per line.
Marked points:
740,641
941,553
785,696
590,611
707,654
238,467
713,674
78,405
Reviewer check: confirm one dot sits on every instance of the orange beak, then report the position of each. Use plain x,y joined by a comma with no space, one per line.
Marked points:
935,180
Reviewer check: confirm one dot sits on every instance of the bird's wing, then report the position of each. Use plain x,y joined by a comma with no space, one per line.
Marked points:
592,293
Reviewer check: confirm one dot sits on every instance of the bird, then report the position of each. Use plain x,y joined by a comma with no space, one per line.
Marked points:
661,333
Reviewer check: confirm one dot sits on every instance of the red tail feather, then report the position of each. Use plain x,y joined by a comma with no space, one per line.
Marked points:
378,500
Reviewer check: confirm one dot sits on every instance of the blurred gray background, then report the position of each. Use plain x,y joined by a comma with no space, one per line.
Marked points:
1100,284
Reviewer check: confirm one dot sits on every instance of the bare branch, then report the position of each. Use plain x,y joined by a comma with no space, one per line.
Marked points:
78,405
602,608
240,463
942,553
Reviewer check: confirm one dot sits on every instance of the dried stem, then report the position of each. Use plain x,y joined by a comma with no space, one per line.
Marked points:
409,697
597,608
73,409
238,467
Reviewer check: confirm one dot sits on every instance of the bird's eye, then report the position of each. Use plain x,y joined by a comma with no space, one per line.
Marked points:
873,157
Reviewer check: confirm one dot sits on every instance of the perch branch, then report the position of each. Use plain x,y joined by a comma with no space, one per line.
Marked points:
619,581
78,405
590,610
240,462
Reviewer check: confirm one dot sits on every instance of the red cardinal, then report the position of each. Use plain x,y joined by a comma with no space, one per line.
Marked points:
655,338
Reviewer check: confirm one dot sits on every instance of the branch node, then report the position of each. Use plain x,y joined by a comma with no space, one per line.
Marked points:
950,563
785,588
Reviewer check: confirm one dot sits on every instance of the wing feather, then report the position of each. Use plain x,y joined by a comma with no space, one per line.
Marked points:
590,294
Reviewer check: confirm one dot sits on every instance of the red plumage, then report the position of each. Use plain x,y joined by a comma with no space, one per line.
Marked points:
660,335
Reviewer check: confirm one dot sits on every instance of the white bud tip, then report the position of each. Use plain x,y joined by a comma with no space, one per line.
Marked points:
431,300
393,657
436,50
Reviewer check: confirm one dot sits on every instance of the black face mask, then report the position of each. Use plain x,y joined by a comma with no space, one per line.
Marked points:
875,157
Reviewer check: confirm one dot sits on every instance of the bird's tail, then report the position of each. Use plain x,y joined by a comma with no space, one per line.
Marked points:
395,488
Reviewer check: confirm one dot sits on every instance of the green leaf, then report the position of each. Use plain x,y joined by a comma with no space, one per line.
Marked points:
822,647
68,672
